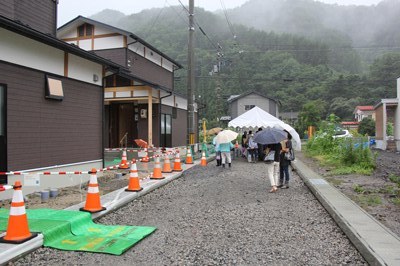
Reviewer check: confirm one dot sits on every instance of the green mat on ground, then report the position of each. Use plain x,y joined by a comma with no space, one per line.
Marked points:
74,230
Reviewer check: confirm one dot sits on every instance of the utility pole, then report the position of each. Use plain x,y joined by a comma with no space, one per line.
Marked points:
218,90
190,81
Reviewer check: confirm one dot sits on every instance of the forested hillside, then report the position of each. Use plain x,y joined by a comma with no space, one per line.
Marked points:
308,55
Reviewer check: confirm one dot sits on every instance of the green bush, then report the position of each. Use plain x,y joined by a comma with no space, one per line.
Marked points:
346,155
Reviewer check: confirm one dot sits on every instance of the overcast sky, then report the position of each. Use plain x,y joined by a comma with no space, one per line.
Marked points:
69,9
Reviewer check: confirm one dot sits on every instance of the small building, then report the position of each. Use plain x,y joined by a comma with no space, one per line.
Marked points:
363,111
51,96
388,111
290,118
239,104
139,100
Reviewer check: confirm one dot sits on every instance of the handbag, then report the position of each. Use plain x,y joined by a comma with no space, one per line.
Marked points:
289,156
270,157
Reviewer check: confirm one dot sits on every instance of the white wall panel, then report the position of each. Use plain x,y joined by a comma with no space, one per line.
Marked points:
167,65
99,30
153,57
136,48
85,44
82,69
123,94
169,101
109,95
71,33
140,93
108,42
23,51
181,103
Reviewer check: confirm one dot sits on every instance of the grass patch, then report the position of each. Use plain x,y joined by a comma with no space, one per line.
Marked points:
395,179
390,190
369,200
396,201
358,189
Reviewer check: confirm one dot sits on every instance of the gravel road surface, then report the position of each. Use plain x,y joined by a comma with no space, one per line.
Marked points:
215,216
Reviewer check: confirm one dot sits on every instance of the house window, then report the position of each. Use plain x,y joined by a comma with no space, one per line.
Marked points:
54,89
248,107
85,30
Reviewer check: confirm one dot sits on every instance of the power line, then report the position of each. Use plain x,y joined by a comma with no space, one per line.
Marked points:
227,19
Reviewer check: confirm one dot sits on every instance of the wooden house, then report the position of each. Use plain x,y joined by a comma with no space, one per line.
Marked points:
51,95
139,101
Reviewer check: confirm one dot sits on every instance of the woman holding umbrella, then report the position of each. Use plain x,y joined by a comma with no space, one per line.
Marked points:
284,163
272,137
273,165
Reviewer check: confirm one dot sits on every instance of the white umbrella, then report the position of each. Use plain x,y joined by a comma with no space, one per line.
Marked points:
226,136
295,136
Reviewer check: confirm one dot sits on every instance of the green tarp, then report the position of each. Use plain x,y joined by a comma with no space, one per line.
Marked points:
74,230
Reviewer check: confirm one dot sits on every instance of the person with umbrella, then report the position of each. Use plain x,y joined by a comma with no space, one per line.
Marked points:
224,139
225,149
284,163
272,137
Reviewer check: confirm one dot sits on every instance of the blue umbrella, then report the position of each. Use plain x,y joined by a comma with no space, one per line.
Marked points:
269,136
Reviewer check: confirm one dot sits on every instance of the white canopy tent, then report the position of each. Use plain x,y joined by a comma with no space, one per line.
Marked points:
256,118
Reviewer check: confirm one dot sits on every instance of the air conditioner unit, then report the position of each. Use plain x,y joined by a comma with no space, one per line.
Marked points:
143,113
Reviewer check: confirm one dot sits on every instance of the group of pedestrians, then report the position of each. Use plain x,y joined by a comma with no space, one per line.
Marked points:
277,167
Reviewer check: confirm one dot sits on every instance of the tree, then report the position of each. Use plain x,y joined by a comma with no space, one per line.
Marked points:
367,127
311,114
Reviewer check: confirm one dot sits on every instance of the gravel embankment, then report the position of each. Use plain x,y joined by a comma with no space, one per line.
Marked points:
215,216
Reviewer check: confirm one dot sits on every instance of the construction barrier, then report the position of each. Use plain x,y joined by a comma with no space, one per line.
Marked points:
93,204
157,169
203,161
177,163
189,158
167,165
124,161
17,228
134,183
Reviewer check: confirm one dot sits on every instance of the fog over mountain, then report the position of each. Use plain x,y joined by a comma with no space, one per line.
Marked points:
364,25
297,51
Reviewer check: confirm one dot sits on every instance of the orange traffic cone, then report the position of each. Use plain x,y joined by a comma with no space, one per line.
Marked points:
146,158
93,196
189,159
167,165
17,229
157,169
134,184
177,163
124,161
203,161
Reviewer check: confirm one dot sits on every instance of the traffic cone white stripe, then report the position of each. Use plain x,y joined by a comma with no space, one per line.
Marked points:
93,190
17,196
93,179
17,210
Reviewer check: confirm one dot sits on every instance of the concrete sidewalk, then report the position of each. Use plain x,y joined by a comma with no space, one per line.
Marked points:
377,244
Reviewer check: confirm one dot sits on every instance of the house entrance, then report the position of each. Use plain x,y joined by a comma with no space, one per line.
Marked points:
122,125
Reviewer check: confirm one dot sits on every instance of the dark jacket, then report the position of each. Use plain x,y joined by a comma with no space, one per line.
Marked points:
282,160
